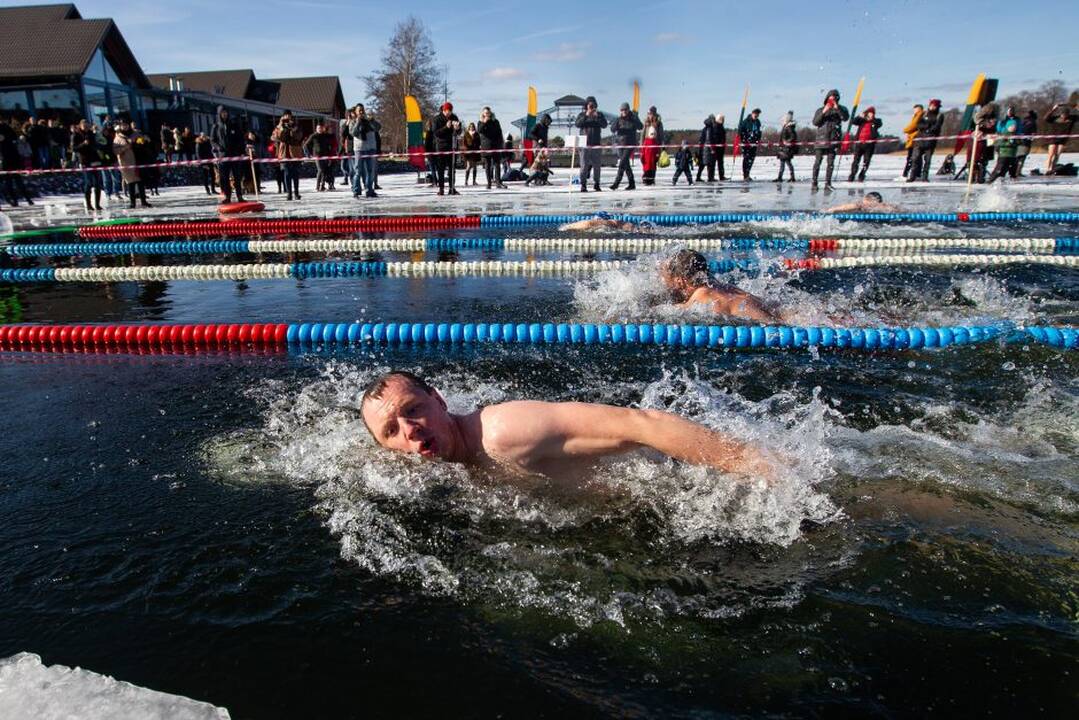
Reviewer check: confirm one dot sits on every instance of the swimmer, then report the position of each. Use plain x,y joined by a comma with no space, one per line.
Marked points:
686,275
871,203
405,414
603,221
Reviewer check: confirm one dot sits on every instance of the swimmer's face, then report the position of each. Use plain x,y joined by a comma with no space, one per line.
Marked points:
410,420
677,285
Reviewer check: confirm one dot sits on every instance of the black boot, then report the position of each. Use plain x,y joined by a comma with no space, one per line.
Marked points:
97,198
596,187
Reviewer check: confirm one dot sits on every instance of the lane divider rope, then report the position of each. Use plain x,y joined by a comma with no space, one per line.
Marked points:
245,226
1064,245
103,338
484,268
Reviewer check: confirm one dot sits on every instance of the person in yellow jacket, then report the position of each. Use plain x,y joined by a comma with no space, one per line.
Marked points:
911,130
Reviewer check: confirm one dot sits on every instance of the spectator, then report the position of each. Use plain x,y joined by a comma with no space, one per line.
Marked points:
59,138
124,149
948,166
228,140
1006,146
828,119
708,146
288,139
320,146
749,135
1028,127
541,169
653,139
378,151
929,127
592,122
1059,124
204,152
178,143
788,145
507,156
37,133
110,174
166,141
489,130
146,157
187,144
86,152
624,129
470,145
865,142
446,128
255,150
365,145
911,130
347,149
11,160
683,163
539,134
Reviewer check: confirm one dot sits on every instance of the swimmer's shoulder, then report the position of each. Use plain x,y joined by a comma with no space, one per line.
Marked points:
512,424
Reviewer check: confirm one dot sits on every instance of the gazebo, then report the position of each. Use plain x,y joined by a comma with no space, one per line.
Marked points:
563,115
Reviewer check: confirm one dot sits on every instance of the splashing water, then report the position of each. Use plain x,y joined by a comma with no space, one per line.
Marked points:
447,531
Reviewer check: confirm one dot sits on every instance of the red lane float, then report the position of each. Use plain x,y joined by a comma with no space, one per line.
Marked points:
60,338
823,244
243,226
802,264
240,207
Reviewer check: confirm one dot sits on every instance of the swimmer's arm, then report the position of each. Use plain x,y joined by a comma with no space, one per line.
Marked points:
591,430
849,207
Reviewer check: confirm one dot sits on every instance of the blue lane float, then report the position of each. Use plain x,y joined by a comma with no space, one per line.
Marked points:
503,221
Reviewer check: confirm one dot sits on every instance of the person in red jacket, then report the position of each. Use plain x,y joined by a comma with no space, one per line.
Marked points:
865,143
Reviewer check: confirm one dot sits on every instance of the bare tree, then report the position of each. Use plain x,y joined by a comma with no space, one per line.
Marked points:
409,67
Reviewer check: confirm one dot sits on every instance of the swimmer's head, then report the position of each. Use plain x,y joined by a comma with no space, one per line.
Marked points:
684,272
405,414
873,198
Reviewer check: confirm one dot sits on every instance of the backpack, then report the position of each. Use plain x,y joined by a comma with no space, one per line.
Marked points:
664,159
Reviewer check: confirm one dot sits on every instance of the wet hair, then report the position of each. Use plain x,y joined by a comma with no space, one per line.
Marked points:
875,195
689,266
377,387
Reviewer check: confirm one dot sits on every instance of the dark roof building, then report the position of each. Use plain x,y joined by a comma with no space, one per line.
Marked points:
55,63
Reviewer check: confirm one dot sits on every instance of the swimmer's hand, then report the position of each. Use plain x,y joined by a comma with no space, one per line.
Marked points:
550,431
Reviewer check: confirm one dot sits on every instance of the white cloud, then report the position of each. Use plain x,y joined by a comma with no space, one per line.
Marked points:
503,73
666,38
566,52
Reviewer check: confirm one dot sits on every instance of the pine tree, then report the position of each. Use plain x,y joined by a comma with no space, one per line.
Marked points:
409,67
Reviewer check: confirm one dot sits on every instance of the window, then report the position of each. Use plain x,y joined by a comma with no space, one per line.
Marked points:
14,100
101,69
97,103
55,100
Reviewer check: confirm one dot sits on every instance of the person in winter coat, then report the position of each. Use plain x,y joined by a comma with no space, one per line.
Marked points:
365,144
123,145
187,144
828,119
1007,146
1059,123
446,128
540,132
865,141
624,129
653,139
1028,126
707,146
146,155
507,157
985,125
227,138
788,145
929,127
489,130
204,151
85,149
347,148
541,169
592,122
470,146
683,163
911,130
288,140
11,160
749,135
320,145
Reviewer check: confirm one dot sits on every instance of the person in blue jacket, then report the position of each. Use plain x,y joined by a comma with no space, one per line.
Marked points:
749,135
1007,146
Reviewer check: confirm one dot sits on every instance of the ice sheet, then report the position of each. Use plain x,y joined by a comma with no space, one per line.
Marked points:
31,689
401,195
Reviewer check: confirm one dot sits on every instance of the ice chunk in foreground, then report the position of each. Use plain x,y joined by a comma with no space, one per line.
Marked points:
30,689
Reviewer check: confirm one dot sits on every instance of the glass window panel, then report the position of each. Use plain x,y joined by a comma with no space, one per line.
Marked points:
96,69
110,72
14,100
97,104
121,101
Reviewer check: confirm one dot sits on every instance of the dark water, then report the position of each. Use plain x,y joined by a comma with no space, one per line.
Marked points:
218,525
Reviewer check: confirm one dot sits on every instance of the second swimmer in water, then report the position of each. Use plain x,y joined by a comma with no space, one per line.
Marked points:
687,276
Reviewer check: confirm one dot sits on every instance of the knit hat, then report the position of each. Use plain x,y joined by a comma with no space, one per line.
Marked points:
755,111
591,100
832,93
934,103
871,109
447,106
624,106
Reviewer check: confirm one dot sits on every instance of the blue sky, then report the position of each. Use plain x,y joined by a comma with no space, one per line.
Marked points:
692,58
